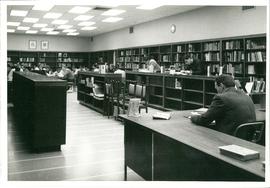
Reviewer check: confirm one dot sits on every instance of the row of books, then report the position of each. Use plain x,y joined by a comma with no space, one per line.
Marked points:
27,59
194,47
229,45
212,56
166,58
256,86
211,46
234,56
256,56
179,57
233,69
69,59
180,49
132,66
258,44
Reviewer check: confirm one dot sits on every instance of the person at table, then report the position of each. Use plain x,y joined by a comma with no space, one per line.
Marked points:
66,74
194,65
152,65
229,108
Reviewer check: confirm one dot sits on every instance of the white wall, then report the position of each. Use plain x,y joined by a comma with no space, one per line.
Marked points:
199,24
56,43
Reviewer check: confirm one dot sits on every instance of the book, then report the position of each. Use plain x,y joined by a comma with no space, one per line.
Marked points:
239,152
249,87
162,115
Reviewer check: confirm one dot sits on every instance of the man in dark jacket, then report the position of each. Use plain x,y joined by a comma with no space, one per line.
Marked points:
229,108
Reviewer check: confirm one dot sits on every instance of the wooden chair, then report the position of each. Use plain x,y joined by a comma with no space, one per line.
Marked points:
250,131
140,92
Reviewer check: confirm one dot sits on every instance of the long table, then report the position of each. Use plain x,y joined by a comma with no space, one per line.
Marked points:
177,149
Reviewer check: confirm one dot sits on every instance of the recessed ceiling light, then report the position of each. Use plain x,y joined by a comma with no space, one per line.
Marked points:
31,32
52,33
86,23
30,20
83,18
59,22
64,26
47,29
148,6
10,30
112,19
69,30
52,15
18,13
13,23
73,34
113,12
79,10
39,25
23,28
43,7
88,28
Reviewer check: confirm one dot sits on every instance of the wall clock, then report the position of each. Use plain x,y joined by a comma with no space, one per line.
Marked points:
173,28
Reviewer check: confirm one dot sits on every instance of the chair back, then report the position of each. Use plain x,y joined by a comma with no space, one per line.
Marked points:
250,131
131,89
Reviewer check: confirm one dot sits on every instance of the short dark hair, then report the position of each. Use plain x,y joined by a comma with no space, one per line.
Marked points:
226,80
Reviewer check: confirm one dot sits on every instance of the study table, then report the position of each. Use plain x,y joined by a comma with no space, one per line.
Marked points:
177,149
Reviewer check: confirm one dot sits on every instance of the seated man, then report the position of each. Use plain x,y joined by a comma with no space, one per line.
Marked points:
152,65
229,108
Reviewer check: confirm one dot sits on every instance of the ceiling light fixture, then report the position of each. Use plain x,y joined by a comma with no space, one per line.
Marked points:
21,13
59,22
113,12
52,15
73,34
23,28
52,33
86,23
112,19
69,30
43,7
47,29
39,25
10,30
83,18
64,26
13,23
30,20
148,6
31,32
79,10
88,28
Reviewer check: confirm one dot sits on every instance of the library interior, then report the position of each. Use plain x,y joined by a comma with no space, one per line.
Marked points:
136,92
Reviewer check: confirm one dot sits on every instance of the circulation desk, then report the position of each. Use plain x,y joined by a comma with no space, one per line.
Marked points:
177,149
40,108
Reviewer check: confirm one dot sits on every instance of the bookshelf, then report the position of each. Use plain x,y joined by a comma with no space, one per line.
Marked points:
107,56
47,59
178,55
165,56
211,55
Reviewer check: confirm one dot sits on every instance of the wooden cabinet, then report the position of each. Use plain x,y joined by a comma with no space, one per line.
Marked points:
40,108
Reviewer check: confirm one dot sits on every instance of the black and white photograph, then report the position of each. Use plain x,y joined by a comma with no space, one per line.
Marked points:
174,93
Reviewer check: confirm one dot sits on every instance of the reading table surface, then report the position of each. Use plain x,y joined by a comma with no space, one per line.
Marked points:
176,138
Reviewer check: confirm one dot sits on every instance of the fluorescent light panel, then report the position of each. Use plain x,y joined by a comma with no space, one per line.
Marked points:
59,22
69,30
52,33
30,20
21,13
73,34
31,32
86,23
113,12
43,7
64,26
148,6
39,25
13,23
88,28
112,19
47,29
52,15
23,28
83,18
79,10
10,30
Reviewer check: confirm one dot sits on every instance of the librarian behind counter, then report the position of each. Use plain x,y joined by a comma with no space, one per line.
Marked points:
229,109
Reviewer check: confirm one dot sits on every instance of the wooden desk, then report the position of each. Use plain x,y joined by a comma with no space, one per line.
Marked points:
176,149
40,108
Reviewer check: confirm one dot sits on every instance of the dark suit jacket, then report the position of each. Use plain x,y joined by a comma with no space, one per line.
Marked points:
229,110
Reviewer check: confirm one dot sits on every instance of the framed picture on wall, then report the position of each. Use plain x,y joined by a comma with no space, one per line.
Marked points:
44,45
32,44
